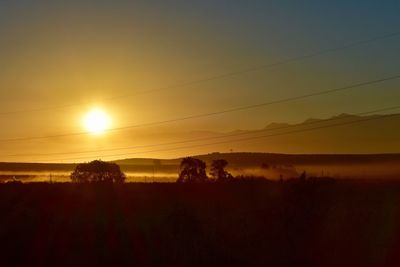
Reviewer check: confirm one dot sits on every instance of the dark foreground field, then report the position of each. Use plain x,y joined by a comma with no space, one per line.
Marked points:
272,224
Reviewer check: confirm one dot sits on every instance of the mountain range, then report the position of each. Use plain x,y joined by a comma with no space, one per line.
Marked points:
342,134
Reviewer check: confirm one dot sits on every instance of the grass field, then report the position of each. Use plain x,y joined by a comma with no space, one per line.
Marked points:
368,166
347,223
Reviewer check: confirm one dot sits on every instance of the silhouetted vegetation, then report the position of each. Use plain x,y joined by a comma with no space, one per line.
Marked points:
303,176
252,224
218,171
385,166
192,171
250,179
98,172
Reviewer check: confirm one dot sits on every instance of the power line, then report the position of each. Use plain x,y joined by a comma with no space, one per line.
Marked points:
357,85
221,76
236,140
210,138
289,99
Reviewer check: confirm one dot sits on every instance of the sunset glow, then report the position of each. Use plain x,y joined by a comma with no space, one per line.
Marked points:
200,133
83,80
97,121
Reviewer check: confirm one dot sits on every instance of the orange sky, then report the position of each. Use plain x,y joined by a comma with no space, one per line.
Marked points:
75,54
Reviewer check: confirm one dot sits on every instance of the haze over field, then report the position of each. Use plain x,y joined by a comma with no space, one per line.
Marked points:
199,133
271,166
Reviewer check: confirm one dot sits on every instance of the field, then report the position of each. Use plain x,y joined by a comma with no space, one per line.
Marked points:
272,166
342,223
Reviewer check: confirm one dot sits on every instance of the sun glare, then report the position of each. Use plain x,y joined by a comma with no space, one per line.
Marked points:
97,121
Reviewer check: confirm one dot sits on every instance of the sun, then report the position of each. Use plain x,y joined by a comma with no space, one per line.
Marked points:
96,121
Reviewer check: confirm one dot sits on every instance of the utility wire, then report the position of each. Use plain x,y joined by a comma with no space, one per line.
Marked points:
236,140
347,116
221,76
284,100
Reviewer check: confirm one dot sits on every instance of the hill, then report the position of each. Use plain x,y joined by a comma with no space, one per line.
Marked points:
351,134
267,164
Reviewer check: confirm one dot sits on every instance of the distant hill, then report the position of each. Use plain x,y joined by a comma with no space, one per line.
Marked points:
250,159
361,149
240,159
35,167
267,164
255,159
351,134
374,135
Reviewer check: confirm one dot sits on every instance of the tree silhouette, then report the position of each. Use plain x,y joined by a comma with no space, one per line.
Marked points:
303,176
98,172
192,171
218,171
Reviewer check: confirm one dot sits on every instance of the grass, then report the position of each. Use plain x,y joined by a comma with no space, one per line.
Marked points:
351,223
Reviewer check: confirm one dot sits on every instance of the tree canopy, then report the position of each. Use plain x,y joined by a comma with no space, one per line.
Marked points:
97,172
218,171
192,171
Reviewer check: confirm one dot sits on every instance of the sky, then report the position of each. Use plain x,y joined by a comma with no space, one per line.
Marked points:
67,57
